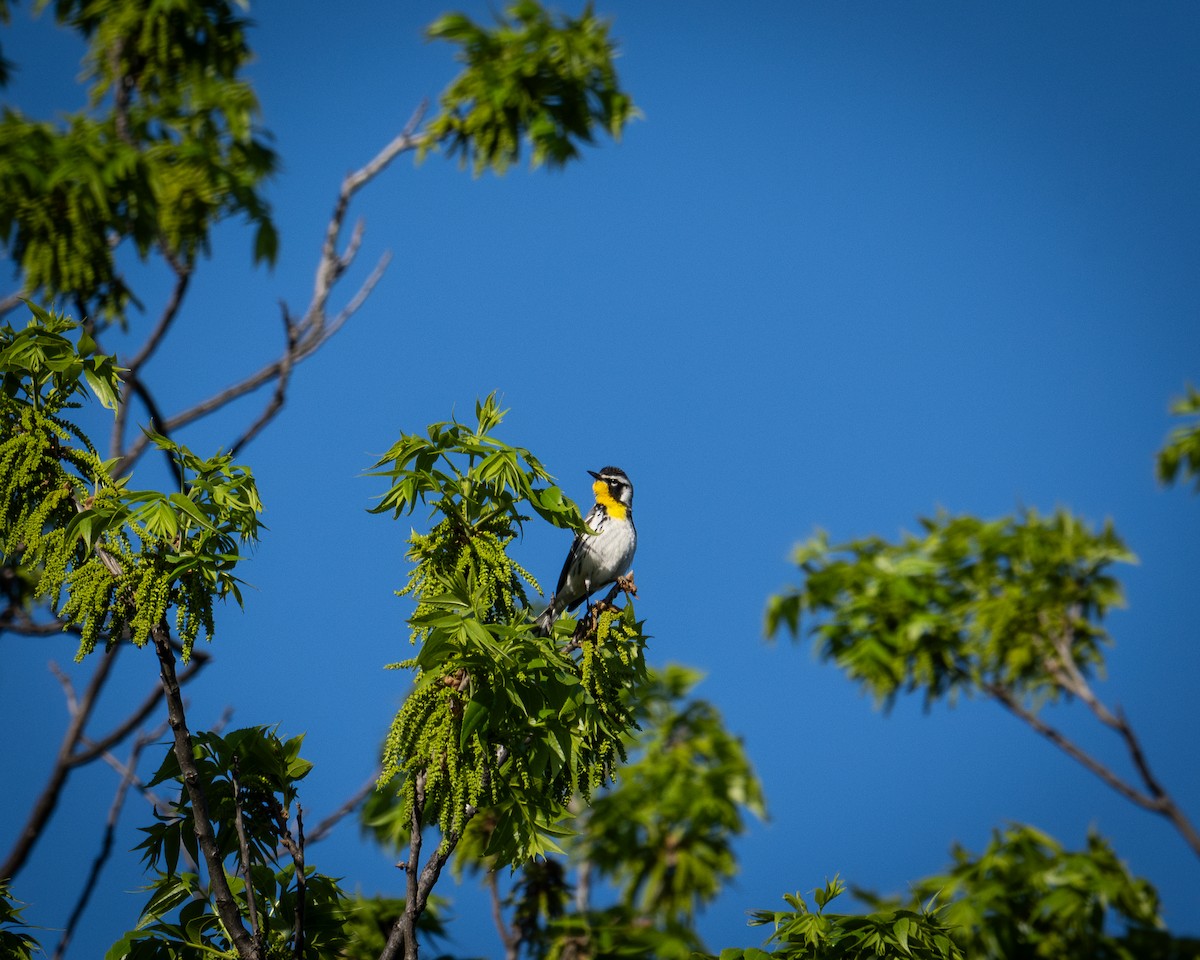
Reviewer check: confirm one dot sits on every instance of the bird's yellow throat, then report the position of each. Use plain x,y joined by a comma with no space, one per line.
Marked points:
615,508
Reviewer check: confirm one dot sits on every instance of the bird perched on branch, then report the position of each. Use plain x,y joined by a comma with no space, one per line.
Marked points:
598,558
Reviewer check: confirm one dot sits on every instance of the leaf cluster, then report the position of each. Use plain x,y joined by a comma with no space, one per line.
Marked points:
498,718
168,146
1026,896
1179,459
893,934
968,604
531,76
249,777
15,944
111,560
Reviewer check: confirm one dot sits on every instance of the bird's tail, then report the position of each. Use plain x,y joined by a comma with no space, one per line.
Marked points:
543,626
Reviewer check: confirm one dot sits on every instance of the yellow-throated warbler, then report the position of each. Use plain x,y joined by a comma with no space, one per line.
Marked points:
598,559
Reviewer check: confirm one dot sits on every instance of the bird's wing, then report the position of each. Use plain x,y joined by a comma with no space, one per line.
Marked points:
594,519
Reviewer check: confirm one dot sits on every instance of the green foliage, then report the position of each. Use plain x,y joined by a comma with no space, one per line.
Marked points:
616,932
664,832
14,943
971,603
498,717
110,560
894,934
167,148
1180,458
529,76
179,918
661,833
1026,896
369,920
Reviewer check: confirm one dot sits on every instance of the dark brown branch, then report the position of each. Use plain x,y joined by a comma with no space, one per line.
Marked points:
223,900
403,935
143,393
1157,802
244,853
183,276
281,384
96,747
301,885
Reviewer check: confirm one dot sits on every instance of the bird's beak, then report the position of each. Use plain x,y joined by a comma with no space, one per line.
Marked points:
594,474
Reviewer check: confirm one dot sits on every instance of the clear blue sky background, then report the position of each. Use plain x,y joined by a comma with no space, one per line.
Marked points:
856,263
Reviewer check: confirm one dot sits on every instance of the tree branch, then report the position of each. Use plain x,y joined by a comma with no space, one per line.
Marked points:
1157,801
44,806
244,853
223,900
128,778
281,385
323,829
510,937
183,276
312,330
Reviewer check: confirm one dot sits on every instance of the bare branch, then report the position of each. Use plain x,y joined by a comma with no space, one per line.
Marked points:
1157,801
128,778
183,276
12,301
47,800
312,330
122,730
325,827
281,385
509,936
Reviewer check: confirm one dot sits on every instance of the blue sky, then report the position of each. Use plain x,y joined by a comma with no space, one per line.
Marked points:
856,262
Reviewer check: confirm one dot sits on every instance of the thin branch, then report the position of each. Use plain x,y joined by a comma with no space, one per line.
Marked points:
143,393
244,852
301,884
312,330
97,746
1158,802
281,385
12,301
47,800
325,827
183,277
128,779
509,936
223,900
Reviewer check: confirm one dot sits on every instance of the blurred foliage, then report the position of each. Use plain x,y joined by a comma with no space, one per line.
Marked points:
15,944
1180,458
109,559
498,717
531,76
1026,896
664,833
891,934
369,920
167,147
967,604
247,775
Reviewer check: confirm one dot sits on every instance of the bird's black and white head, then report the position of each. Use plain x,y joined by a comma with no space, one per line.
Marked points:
612,483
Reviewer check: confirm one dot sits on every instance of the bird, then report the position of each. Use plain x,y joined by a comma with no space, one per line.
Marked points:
596,559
